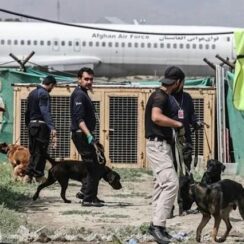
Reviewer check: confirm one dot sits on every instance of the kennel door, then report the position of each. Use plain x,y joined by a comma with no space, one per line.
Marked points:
123,135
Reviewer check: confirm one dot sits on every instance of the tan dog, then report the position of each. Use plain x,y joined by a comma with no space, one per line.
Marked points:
18,156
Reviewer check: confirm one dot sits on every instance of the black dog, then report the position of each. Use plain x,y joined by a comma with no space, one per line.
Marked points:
217,200
213,172
75,170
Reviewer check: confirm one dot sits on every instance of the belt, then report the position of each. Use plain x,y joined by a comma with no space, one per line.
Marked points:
156,138
38,121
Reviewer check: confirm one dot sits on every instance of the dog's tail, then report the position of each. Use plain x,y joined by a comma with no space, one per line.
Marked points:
51,160
241,203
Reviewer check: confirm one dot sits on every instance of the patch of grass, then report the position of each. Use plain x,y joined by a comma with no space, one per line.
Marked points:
133,174
80,212
144,228
12,193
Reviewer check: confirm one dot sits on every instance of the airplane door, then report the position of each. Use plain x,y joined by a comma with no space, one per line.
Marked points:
56,44
76,45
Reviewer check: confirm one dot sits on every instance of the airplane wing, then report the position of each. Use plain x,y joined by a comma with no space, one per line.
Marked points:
53,61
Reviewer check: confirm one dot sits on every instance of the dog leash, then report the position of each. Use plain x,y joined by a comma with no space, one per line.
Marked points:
100,157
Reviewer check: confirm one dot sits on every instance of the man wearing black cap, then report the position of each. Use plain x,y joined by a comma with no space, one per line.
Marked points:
40,126
159,135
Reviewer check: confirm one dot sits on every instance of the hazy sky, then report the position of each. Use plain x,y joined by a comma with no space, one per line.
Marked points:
178,12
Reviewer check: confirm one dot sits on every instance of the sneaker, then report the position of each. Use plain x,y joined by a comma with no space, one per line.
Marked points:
92,204
80,195
160,234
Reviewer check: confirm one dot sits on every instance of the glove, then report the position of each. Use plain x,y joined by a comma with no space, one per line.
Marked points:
90,139
198,125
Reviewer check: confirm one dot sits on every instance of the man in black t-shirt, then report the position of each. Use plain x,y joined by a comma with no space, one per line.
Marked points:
158,132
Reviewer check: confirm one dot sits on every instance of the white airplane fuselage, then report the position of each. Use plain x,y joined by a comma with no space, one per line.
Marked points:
113,53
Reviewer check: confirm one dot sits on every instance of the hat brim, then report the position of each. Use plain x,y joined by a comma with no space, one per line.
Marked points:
167,81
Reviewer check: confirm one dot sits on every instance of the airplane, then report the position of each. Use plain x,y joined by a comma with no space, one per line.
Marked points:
114,50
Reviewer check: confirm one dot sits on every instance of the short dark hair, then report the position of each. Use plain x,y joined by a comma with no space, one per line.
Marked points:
49,80
85,69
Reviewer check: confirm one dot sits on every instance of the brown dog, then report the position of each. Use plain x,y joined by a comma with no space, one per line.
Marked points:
18,156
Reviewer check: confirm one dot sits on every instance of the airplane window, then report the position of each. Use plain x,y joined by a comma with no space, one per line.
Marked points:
62,43
161,45
2,42
110,44
194,46
9,42
116,44
55,43
129,44
90,44
136,45
213,46
142,45
77,43
22,42
174,45
181,45
70,43
49,43
103,44
28,42
15,42
207,46
187,45
228,38
149,45
83,44
122,44
41,43
97,44
35,42
168,45
155,45
200,46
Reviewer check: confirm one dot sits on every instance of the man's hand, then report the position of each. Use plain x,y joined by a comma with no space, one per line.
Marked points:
198,125
54,138
90,139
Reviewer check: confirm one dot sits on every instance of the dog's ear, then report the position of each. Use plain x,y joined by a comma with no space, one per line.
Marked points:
222,167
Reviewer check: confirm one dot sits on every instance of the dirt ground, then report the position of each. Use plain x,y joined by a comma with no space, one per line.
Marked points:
125,212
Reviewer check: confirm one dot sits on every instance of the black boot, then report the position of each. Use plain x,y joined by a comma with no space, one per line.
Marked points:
160,234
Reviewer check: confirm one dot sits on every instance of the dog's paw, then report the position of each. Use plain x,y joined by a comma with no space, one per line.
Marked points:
198,238
35,197
67,201
221,239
